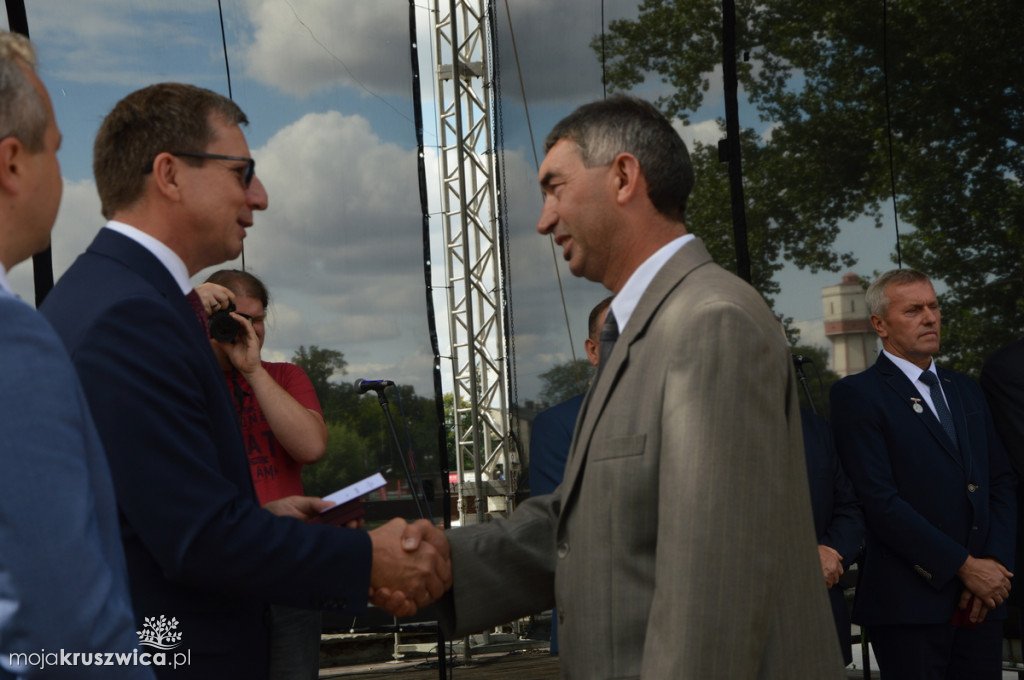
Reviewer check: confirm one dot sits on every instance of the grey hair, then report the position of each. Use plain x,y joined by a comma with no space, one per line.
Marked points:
877,300
622,124
22,111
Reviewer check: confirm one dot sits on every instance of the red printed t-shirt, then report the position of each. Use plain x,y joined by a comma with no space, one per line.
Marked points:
275,474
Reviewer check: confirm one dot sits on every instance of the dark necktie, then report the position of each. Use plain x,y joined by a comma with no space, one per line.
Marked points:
609,334
197,307
945,417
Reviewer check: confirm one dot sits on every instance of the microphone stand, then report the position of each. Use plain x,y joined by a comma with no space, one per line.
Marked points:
798,361
422,510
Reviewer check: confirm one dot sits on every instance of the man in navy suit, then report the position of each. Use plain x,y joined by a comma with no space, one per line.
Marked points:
62,575
919,445
1002,380
551,432
838,520
177,183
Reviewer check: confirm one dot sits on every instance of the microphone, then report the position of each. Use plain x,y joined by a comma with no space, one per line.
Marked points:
799,360
364,386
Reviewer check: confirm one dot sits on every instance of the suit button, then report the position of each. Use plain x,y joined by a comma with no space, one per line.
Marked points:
972,487
561,615
974,528
563,549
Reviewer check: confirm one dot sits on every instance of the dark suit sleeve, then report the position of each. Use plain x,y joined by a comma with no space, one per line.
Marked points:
183,485
845,532
550,438
857,424
62,576
1003,516
838,520
1002,380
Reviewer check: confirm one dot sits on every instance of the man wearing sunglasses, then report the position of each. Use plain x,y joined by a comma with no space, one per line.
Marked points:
177,184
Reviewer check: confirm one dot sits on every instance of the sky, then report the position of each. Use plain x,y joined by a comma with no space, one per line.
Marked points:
326,85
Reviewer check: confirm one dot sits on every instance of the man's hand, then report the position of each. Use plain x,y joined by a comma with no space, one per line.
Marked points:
244,352
299,507
986,579
411,566
976,609
831,564
214,297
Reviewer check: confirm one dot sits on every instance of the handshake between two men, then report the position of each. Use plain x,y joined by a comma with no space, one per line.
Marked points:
411,566
411,562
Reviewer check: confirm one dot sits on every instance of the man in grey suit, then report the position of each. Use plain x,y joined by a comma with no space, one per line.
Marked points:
63,585
679,544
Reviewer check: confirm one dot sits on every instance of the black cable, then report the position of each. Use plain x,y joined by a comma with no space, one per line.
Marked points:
227,71
442,435
604,74
224,44
888,126
505,241
42,262
731,143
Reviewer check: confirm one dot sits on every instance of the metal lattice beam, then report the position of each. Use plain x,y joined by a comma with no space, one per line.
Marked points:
472,259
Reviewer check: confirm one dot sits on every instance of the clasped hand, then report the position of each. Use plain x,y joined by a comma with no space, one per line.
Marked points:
411,566
986,585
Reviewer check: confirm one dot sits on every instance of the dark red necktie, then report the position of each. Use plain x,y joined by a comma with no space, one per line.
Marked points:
197,307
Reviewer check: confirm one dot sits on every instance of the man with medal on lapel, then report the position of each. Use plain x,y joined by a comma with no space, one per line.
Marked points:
918,443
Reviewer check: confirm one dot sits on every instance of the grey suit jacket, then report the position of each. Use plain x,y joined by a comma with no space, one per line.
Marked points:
680,543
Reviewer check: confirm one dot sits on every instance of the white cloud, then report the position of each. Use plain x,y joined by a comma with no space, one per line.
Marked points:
302,46
707,132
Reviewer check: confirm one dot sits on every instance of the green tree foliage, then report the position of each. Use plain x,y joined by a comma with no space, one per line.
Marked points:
321,364
821,72
348,459
564,380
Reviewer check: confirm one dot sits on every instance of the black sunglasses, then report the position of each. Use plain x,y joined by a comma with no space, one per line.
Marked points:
250,170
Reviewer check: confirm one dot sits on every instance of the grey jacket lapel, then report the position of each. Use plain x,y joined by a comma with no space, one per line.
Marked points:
690,256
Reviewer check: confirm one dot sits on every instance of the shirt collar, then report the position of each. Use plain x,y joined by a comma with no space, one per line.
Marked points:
5,286
628,297
911,370
170,260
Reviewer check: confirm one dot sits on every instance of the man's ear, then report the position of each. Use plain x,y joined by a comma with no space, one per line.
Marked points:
12,151
878,323
593,350
628,177
166,175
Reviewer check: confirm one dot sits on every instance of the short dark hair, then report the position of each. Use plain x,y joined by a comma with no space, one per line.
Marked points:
875,297
156,119
622,124
241,283
593,329
23,113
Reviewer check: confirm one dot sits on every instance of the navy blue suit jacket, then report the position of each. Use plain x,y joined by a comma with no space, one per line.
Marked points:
926,506
198,546
838,520
550,438
62,575
1002,380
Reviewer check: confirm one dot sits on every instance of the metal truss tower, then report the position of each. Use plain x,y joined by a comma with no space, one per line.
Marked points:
473,262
